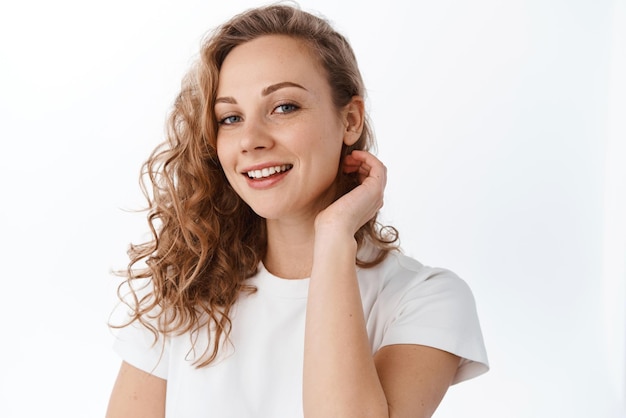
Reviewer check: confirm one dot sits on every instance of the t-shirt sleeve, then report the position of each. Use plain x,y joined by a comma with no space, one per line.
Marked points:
439,311
136,345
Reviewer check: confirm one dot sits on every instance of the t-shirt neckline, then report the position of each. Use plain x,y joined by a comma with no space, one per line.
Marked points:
267,282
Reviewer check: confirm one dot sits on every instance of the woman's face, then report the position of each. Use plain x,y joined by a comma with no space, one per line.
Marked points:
280,135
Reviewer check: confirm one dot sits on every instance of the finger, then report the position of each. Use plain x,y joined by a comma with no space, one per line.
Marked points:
357,167
351,163
367,165
361,168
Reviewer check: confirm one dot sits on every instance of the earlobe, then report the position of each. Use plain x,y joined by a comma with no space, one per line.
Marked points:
354,118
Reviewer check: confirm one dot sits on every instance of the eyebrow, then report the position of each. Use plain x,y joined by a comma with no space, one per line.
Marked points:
271,89
266,91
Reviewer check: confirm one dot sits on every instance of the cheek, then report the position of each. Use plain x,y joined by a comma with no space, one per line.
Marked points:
222,152
334,133
224,156
333,144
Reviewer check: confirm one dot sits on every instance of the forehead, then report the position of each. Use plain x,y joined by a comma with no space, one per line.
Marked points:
269,59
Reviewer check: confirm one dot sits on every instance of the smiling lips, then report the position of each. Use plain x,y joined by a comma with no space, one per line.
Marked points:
268,171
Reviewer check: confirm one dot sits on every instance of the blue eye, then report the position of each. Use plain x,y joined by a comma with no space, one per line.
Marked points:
286,108
229,120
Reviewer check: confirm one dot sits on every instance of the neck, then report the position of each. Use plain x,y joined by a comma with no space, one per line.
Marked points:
289,249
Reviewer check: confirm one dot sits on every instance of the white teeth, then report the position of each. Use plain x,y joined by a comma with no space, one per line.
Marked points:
268,171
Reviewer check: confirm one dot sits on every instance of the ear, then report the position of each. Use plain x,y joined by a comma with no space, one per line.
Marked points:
353,117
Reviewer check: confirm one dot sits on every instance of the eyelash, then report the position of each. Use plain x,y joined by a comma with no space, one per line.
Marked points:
293,107
223,120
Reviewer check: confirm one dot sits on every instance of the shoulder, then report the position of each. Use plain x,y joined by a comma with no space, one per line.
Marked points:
407,302
402,274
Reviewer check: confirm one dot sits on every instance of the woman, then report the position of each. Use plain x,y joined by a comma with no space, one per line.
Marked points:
269,288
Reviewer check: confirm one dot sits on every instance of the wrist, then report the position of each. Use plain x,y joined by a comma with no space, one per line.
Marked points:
333,226
334,240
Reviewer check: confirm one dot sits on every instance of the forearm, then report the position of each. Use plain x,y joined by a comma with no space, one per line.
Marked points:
340,377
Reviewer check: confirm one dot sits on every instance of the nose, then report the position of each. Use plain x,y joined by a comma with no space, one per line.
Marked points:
255,136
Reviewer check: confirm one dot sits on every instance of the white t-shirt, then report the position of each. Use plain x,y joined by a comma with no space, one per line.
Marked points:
260,373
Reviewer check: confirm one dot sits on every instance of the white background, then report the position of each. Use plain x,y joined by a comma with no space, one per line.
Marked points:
502,124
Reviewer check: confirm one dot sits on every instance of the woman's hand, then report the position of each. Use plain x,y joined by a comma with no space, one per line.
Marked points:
358,206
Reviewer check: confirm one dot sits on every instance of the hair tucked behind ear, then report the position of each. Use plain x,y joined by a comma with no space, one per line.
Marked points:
205,240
